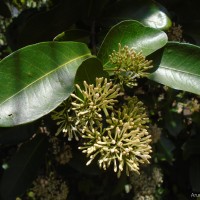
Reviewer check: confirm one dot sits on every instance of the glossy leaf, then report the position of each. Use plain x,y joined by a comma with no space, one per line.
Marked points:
148,12
23,168
89,70
178,67
37,78
134,35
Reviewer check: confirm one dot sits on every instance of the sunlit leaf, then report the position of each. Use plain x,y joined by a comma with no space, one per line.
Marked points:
134,35
36,79
178,66
148,12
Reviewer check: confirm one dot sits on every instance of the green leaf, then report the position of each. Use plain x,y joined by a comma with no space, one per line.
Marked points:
173,122
134,35
178,67
148,12
37,78
89,70
165,149
73,35
23,168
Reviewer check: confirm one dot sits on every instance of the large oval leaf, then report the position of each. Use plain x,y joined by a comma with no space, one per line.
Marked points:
23,168
134,35
178,67
148,12
36,79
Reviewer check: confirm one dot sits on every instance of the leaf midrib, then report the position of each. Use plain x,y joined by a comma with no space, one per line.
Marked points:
180,71
85,55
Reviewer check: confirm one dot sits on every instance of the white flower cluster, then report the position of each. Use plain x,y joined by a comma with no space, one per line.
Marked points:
111,127
115,133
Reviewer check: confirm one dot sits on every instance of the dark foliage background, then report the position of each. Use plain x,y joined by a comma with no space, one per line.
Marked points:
177,152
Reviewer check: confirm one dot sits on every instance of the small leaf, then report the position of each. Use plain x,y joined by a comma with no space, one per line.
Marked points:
178,67
165,149
23,168
89,70
134,35
173,123
38,78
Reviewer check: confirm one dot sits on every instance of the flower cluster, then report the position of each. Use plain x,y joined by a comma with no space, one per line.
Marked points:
175,33
188,107
123,142
98,98
61,150
48,188
113,131
155,132
65,120
76,113
4,23
25,4
130,65
146,184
